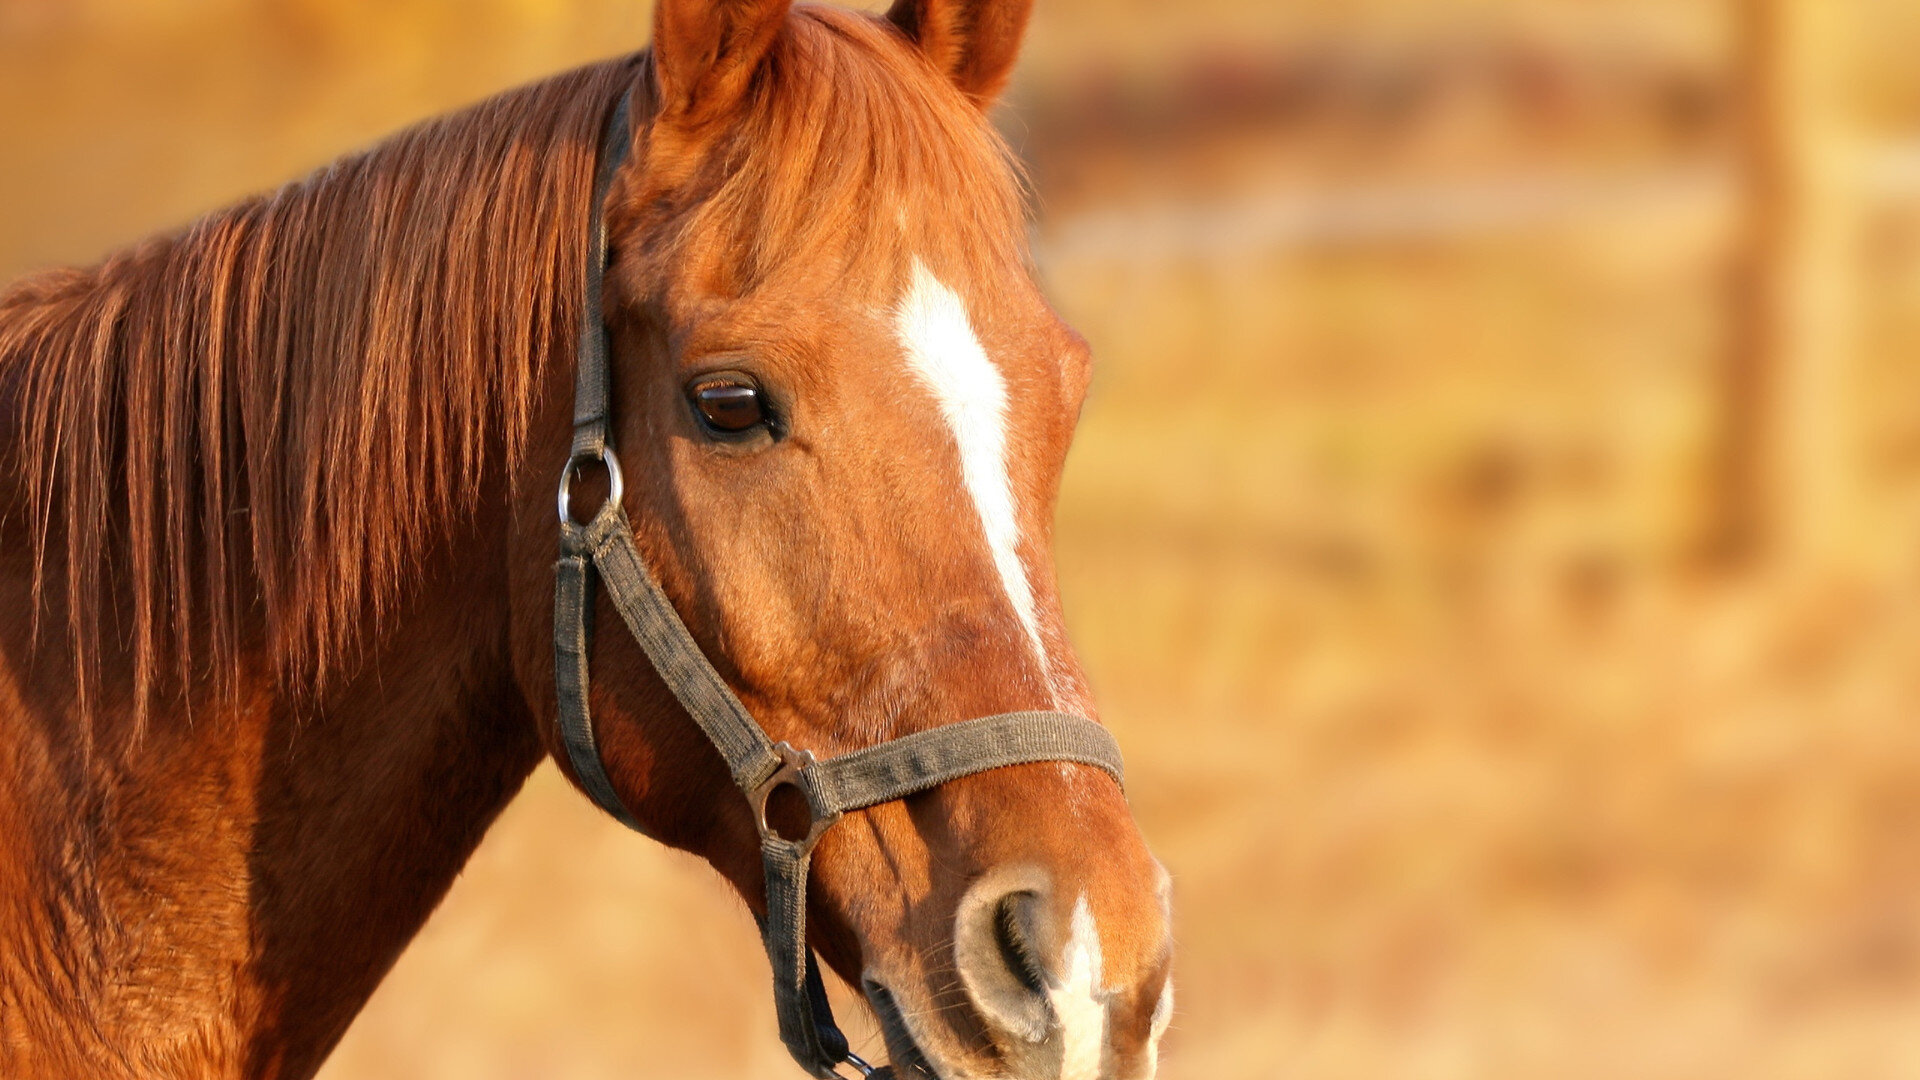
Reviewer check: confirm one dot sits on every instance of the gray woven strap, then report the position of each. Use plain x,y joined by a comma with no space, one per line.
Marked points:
572,645
799,999
927,759
592,377
608,543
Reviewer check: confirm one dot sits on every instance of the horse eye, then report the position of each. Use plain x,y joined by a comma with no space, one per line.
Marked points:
730,407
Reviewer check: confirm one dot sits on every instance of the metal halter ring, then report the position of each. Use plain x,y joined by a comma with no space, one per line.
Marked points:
615,486
791,763
853,1059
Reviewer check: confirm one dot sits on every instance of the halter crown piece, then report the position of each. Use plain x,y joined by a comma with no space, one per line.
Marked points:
604,549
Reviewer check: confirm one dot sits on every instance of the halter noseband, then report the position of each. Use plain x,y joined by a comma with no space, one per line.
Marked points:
604,549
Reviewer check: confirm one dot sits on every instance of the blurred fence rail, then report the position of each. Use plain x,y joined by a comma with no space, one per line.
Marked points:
1390,213
1382,214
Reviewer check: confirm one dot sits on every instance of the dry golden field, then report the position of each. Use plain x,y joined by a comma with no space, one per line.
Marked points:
1393,539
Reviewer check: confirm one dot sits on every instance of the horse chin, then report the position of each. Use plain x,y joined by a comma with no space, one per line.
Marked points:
908,1060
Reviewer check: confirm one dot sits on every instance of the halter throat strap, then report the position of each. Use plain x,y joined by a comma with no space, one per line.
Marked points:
602,552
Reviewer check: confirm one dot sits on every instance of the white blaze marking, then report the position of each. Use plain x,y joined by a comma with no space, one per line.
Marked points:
1078,1002
946,354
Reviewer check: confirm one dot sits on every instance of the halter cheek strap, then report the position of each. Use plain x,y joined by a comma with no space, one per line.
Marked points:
602,551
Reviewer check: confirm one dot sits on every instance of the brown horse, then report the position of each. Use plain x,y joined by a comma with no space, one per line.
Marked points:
277,554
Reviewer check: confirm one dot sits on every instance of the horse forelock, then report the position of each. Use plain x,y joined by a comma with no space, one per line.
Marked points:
850,152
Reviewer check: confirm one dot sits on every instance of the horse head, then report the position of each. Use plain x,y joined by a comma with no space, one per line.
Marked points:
843,408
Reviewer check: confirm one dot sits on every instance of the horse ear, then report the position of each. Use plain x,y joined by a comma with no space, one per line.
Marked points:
705,53
973,41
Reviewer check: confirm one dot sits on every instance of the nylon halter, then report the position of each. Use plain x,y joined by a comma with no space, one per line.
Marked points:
603,550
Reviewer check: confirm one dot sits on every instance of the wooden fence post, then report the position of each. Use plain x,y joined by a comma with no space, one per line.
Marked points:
1792,445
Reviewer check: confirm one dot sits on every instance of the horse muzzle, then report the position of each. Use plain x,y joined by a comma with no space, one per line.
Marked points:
1034,988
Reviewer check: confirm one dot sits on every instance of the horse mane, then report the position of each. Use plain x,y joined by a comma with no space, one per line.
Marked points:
259,417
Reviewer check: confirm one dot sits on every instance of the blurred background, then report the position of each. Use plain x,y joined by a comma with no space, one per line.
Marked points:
1494,533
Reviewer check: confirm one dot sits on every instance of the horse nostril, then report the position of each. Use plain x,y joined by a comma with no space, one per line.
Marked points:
1000,948
1013,931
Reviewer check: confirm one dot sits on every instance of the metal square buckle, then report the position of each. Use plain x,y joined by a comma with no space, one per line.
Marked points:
792,765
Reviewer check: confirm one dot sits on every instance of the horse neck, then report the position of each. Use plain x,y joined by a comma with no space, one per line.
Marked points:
215,887
222,892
